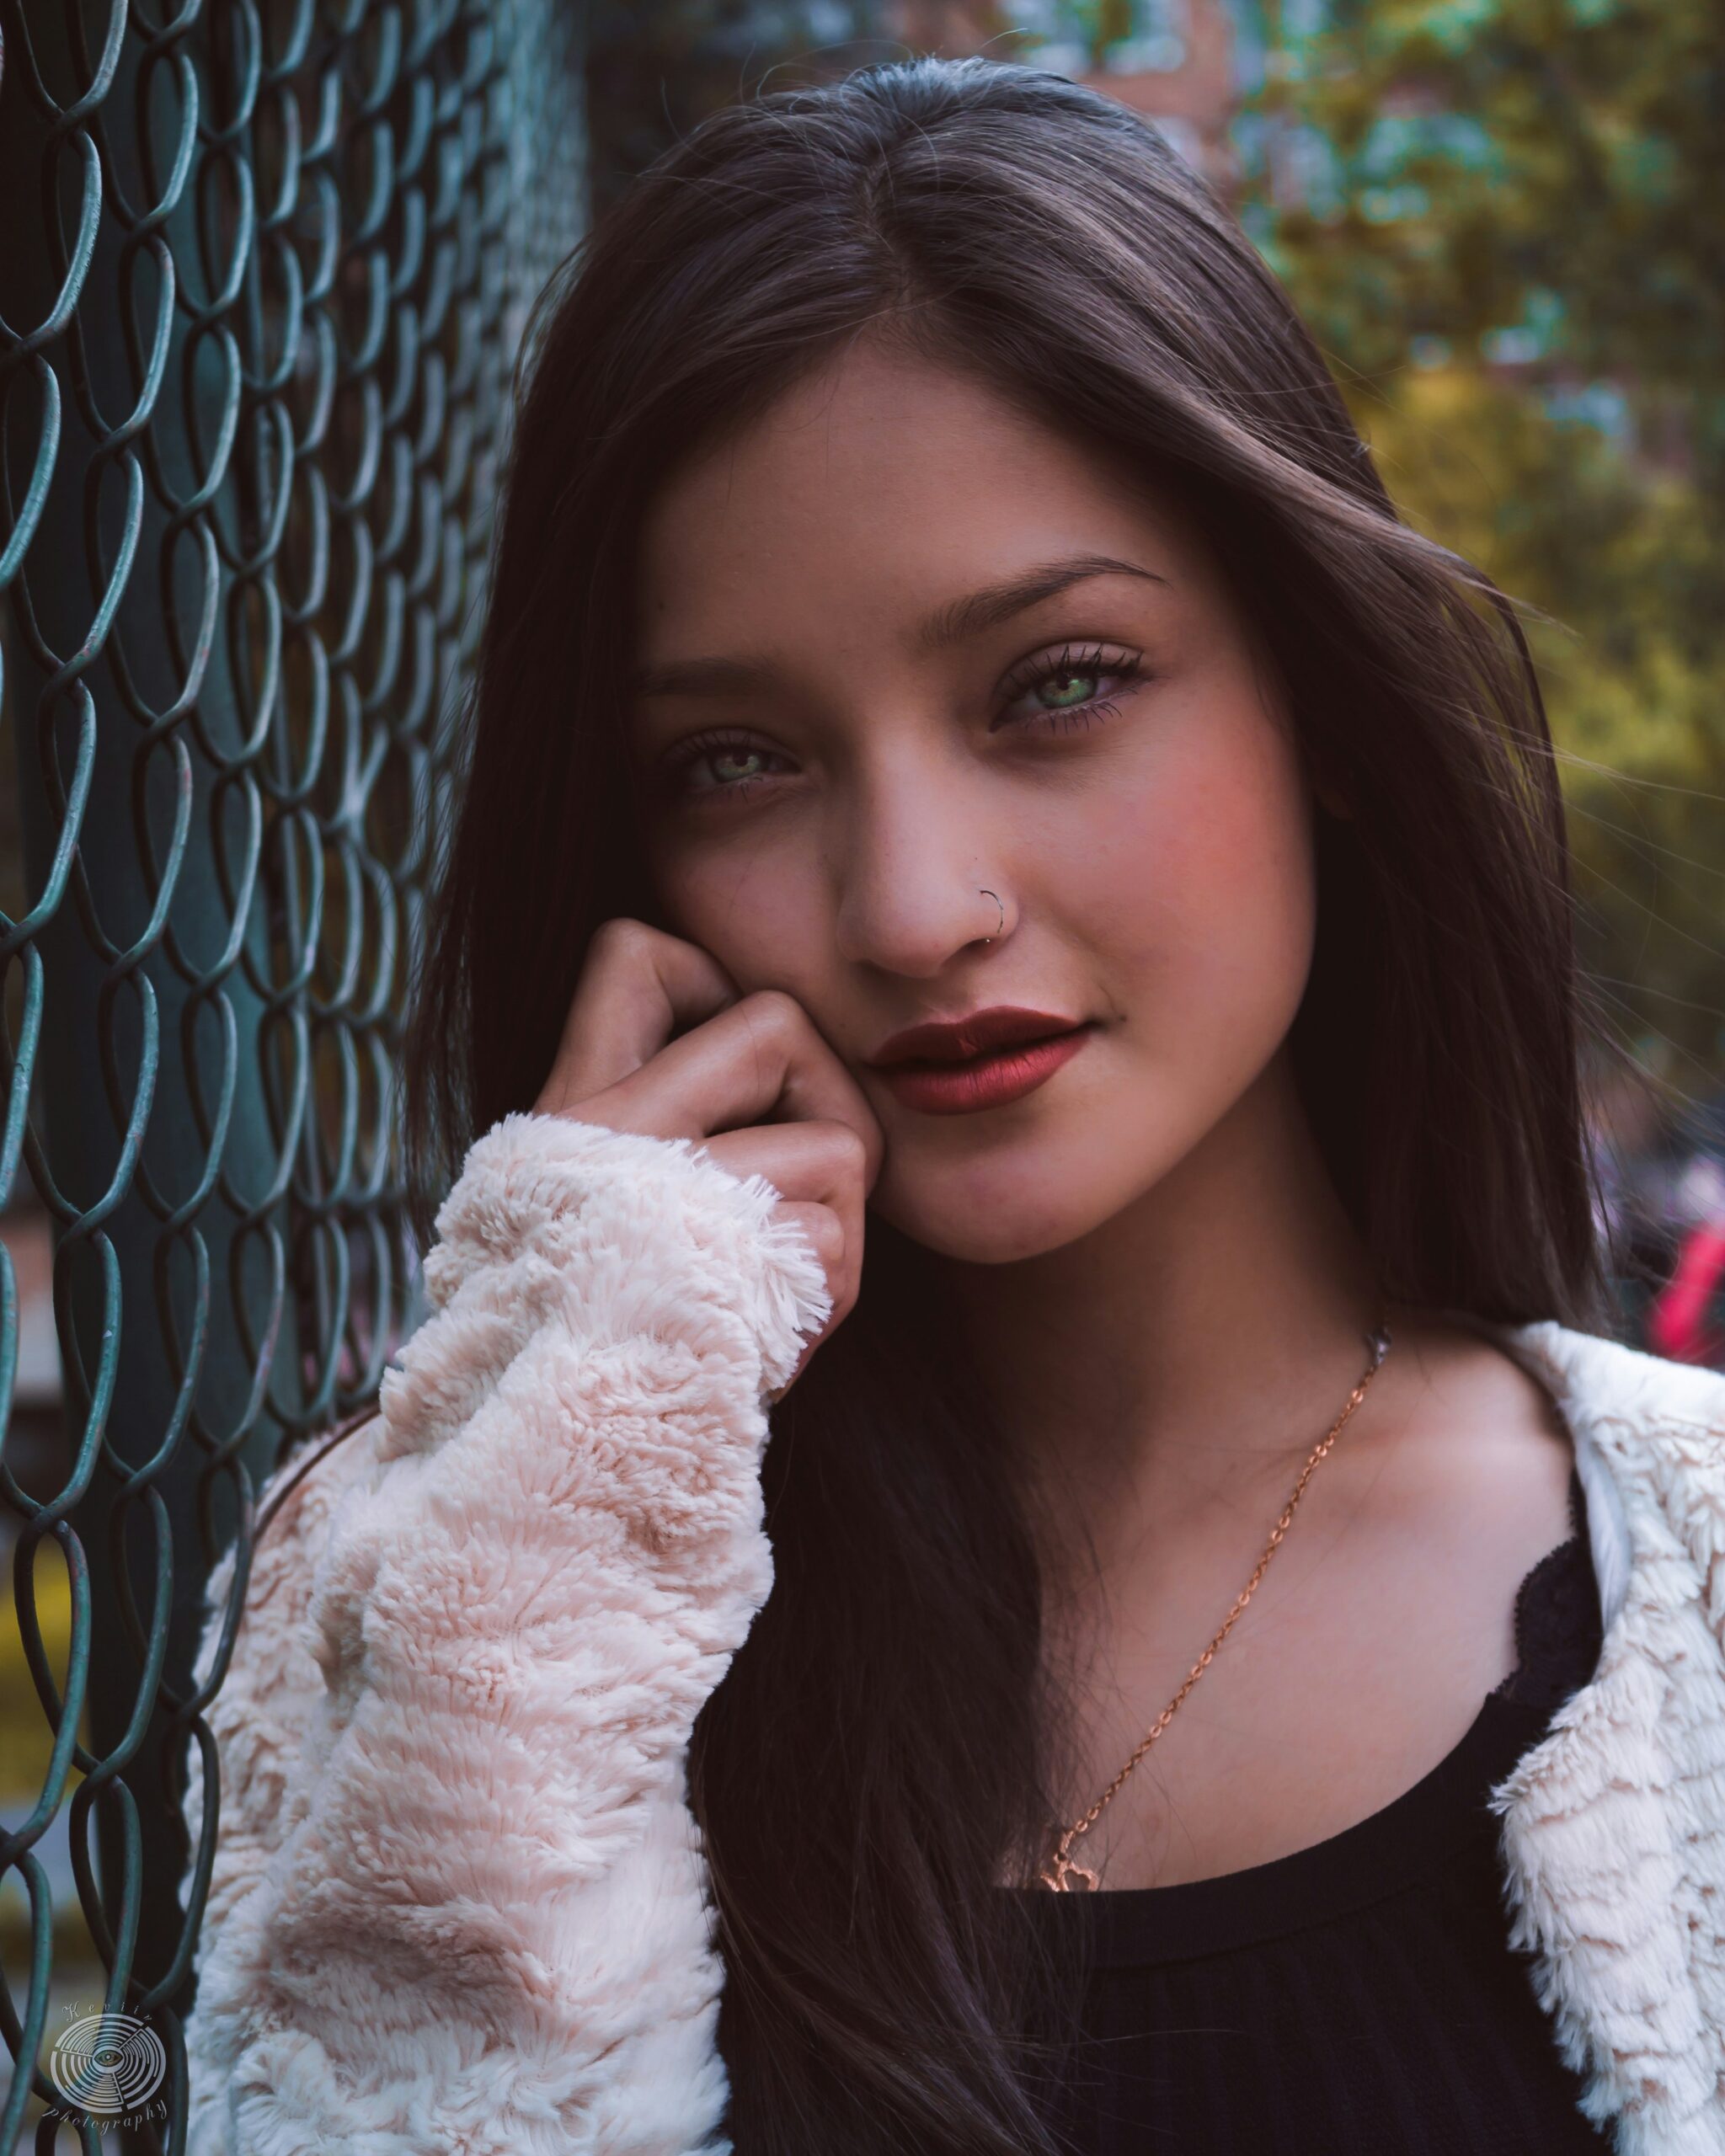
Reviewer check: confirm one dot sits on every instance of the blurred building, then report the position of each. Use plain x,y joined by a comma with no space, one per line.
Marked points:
655,70
1183,63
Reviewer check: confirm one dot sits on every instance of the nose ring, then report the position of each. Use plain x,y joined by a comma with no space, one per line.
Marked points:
1002,922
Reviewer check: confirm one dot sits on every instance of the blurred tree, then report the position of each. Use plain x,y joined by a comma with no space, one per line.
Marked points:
1505,220
1616,556
1534,180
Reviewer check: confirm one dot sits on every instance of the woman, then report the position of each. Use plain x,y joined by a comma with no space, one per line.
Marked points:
968,763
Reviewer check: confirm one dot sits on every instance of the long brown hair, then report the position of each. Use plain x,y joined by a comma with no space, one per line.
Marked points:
877,1751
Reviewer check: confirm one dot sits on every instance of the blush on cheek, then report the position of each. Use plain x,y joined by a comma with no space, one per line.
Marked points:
1197,891
1212,855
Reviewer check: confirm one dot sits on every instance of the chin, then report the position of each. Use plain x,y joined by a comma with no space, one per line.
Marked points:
988,1216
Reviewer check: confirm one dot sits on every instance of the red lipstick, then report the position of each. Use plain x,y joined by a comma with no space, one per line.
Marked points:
957,1066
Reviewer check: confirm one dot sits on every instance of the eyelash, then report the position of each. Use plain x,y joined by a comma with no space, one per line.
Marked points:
1129,668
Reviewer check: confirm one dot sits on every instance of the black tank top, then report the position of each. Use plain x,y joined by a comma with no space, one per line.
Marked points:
1359,1996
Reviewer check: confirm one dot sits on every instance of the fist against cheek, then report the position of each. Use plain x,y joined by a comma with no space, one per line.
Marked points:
740,1059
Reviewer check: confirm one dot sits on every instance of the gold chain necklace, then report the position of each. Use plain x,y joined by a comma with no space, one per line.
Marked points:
1062,1872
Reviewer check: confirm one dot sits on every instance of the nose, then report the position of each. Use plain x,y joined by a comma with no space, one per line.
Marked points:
921,877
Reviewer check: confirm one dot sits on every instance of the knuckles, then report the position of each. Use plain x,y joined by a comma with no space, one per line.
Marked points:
622,937
850,1149
771,1021
776,1011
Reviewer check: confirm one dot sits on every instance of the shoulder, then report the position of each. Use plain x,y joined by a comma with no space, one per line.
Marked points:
1656,1419
1623,1381
1649,1439
1466,1441
1612,1845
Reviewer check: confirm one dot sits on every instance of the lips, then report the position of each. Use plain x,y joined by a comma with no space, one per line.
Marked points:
980,1033
988,1080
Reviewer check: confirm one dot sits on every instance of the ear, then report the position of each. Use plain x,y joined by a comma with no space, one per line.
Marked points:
1327,789
1332,800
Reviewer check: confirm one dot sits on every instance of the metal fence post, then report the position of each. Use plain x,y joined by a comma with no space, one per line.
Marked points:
267,266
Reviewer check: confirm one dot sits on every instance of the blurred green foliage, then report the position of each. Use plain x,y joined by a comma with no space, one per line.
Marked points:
1505,221
1553,166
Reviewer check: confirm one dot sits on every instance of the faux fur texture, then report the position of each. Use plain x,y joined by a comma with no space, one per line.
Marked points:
457,1901
1613,1824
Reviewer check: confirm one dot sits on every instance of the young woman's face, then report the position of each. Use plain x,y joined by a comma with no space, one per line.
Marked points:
964,656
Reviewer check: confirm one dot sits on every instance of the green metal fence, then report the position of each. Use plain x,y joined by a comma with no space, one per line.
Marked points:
263,268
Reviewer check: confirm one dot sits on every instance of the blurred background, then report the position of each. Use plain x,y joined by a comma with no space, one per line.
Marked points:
1505,222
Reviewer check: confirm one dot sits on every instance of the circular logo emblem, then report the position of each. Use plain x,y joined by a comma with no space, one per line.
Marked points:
107,2063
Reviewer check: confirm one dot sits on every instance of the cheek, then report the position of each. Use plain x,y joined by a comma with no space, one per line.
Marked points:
757,908
1183,889
1199,883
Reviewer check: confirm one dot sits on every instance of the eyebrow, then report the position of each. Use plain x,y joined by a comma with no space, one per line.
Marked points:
953,623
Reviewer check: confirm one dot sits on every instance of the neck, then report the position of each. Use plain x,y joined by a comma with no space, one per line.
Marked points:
1186,1352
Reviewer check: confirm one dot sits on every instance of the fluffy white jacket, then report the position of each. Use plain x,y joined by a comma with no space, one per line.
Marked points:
457,1901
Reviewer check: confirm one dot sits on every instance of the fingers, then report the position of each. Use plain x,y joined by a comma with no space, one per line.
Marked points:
745,1060
638,986
763,1057
821,1171
828,1161
750,1077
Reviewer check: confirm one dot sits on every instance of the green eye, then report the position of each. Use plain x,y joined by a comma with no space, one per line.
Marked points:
1067,691
1074,695
732,766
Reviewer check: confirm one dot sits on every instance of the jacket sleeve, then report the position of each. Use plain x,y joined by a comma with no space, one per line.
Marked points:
458,1902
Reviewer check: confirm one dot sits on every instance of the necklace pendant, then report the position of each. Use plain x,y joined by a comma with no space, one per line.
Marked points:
1061,1875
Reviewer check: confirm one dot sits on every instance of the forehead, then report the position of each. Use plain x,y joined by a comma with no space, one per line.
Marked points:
877,487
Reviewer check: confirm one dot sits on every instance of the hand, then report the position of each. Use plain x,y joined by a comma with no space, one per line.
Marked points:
745,1057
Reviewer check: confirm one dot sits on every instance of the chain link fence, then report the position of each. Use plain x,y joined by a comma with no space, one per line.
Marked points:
264,270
